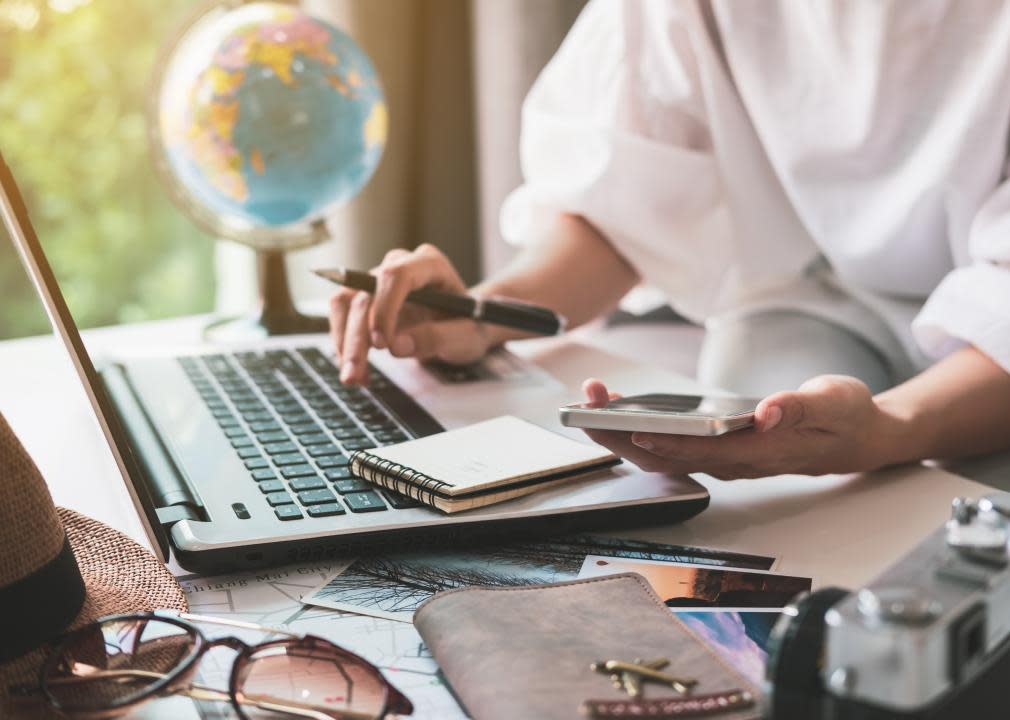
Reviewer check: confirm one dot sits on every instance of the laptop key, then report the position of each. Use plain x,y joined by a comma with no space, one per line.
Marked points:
246,401
364,502
234,432
332,412
241,441
351,485
286,406
263,474
289,459
268,426
316,497
288,512
271,486
247,453
257,463
325,510
362,444
305,428
227,422
279,498
338,473
307,483
280,448
322,450
295,417
341,423
272,437
348,434
314,439
294,471
379,425
255,416
401,502
331,461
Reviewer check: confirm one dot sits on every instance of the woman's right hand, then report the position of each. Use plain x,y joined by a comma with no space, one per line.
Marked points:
360,320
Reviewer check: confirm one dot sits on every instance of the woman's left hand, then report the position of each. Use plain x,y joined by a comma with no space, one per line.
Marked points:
830,425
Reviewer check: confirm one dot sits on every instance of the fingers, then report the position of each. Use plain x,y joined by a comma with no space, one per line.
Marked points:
817,403
340,305
398,276
459,340
596,393
354,356
620,444
382,282
735,455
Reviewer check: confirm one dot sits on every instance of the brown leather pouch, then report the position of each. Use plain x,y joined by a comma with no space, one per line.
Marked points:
526,652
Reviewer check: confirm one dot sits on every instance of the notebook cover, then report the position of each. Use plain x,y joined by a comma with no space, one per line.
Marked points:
525,652
479,464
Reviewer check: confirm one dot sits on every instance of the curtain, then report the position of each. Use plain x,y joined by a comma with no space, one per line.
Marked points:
455,73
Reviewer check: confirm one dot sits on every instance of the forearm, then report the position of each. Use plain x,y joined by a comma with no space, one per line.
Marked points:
572,270
957,408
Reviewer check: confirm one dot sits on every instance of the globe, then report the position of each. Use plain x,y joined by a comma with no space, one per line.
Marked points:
263,118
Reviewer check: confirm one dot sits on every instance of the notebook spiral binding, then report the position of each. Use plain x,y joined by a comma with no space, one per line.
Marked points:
396,477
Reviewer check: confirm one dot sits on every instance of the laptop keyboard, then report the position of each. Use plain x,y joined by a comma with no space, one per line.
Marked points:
293,424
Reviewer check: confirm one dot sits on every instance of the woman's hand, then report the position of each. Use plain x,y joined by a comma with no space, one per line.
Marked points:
360,320
830,425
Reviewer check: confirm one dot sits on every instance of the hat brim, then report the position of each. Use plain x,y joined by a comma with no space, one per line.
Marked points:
120,577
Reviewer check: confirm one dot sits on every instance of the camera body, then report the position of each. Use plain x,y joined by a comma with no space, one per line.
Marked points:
929,638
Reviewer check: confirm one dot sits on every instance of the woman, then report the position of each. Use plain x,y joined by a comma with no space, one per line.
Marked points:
821,184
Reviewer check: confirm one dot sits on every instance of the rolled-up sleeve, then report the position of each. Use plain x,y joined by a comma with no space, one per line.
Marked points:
971,305
614,130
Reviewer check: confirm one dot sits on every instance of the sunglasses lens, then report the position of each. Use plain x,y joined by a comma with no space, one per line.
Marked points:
115,663
309,676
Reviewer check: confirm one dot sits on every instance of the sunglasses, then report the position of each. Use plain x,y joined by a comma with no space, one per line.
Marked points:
107,668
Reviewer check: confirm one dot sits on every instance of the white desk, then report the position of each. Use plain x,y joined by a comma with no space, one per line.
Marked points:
838,530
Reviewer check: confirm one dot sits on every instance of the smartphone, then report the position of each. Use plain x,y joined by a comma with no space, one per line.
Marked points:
660,413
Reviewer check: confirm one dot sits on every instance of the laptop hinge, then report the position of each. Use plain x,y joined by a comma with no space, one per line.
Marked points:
172,514
171,496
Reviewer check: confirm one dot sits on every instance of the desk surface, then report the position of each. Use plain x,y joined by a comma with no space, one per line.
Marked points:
840,530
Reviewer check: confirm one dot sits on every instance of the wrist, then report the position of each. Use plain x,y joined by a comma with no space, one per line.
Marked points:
897,435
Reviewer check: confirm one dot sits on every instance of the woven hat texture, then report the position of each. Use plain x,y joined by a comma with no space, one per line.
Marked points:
119,575
30,530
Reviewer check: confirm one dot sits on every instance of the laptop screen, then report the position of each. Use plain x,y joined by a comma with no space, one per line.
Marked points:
19,226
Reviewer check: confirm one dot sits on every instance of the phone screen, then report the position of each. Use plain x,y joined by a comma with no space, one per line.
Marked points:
706,405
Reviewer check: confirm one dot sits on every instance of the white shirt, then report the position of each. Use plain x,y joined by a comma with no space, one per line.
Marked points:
869,132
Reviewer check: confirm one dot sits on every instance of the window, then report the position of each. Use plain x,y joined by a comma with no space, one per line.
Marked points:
74,82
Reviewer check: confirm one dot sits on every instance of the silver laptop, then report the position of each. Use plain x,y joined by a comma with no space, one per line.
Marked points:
238,458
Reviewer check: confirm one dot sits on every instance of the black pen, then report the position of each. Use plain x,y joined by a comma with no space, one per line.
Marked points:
528,318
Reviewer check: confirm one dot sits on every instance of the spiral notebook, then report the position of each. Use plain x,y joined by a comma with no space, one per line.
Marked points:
480,464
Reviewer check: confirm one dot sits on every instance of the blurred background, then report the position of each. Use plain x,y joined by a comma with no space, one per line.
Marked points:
74,83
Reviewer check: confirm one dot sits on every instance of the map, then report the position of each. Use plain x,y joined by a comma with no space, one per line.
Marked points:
273,598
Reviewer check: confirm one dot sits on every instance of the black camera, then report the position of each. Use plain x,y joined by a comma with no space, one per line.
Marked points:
927,639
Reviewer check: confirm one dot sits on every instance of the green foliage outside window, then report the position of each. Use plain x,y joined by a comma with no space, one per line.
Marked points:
74,79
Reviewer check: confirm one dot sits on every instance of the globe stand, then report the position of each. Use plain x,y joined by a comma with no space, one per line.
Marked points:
277,314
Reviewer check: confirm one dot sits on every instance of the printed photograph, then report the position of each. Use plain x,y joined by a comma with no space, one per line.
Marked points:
740,637
682,585
394,586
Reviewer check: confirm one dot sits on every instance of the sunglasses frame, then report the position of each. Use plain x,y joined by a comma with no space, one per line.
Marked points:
180,677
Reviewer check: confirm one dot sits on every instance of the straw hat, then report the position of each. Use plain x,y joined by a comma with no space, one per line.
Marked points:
60,569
